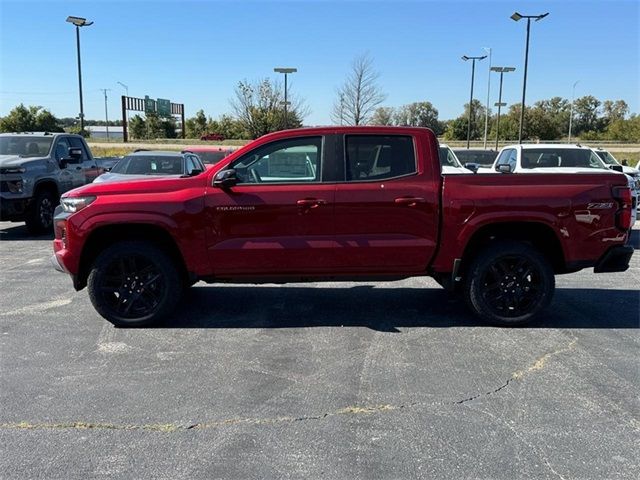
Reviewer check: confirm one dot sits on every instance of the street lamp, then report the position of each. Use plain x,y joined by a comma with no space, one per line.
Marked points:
486,113
502,71
79,22
573,96
473,72
286,71
517,17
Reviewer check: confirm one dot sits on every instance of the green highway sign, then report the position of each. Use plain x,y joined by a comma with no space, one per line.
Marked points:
149,104
164,107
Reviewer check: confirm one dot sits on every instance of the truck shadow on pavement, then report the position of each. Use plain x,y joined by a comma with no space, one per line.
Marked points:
384,309
634,239
19,232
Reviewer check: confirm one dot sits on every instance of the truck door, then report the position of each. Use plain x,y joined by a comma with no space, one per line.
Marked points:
71,176
386,210
90,167
278,219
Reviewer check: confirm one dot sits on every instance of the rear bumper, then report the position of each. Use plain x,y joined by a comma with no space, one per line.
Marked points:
616,259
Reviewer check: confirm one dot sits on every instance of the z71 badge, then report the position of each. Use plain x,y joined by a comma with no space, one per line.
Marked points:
599,206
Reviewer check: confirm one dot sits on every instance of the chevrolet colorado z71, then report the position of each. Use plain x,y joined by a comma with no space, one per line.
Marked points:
340,203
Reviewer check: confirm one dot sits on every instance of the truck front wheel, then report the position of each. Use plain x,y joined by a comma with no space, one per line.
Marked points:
39,218
134,284
509,283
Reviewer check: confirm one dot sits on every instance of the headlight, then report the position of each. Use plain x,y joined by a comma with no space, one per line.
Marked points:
75,204
14,186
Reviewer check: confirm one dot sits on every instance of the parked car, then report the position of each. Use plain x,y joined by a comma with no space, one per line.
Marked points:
212,136
554,158
210,155
498,239
147,164
611,161
483,158
35,169
449,162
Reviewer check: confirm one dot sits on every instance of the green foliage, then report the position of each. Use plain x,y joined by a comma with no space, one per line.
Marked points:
624,130
137,128
30,119
383,116
196,126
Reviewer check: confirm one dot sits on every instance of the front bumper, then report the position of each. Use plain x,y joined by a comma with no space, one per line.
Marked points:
14,209
616,259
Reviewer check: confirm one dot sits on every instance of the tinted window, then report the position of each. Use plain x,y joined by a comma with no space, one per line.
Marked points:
149,165
211,157
376,157
607,158
62,149
558,157
481,157
287,161
26,146
77,143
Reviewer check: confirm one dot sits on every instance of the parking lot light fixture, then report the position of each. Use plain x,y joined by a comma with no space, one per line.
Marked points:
473,71
79,22
486,113
502,71
517,17
286,71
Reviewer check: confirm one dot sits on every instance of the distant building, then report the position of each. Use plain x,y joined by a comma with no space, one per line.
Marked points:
97,131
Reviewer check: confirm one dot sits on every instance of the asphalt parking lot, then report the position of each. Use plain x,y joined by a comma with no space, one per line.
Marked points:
374,380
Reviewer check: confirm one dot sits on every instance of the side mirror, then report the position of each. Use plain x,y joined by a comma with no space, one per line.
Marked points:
617,168
225,179
194,172
625,162
504,168
472,166
75,153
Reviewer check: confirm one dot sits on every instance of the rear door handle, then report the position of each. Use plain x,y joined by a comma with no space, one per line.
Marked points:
310,202
409,201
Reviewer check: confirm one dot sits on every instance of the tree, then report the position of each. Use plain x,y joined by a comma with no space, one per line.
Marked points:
196,126
259,108
457,129
30,119
383,116
418,114
612,111
137,127
626,130
360,94
586,114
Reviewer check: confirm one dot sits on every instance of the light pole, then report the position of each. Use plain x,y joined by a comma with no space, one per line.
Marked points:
106,113
473,72
573,96
486,113
286,71
79,22
502,71
516,17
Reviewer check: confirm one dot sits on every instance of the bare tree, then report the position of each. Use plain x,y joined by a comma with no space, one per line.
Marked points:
360,94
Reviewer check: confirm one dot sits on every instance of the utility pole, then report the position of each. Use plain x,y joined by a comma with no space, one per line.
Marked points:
573,97
106,112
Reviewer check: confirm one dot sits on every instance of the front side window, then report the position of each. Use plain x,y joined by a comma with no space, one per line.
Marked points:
508,157
378,157
287,161
448,158
62,149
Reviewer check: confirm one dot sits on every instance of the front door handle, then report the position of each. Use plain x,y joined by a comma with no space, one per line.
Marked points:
409,201
307,203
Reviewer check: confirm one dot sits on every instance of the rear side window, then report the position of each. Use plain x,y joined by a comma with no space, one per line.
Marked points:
378,157
559,157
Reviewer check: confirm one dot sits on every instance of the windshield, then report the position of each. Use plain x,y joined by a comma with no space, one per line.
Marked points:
150,165
483,158
25,146
607,158
558,157
211,157
448,158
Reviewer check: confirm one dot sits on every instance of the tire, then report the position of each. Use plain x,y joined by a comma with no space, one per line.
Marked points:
509,283
134,284
39,218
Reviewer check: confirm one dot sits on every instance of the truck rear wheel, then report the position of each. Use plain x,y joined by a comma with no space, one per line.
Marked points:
134,284
509,283
39,218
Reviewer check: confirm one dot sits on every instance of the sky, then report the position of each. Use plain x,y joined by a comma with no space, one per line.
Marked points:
196,52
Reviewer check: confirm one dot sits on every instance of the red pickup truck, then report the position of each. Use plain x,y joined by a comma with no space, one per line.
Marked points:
340,203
